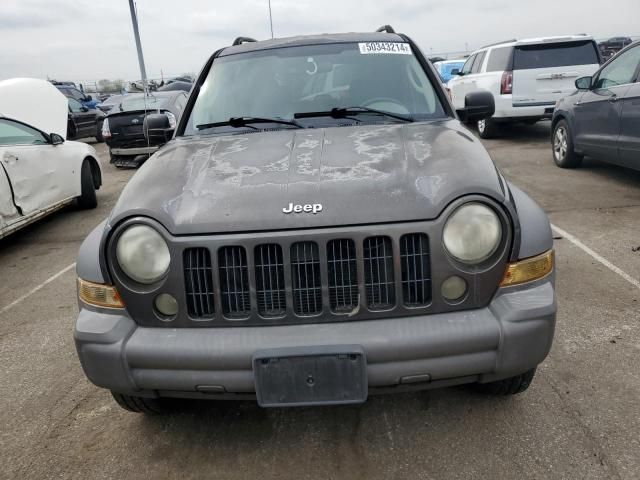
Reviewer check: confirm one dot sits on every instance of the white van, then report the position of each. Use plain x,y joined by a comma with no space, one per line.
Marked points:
526,77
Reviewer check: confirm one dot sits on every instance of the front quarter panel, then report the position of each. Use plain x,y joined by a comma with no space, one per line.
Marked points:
535,230
88,265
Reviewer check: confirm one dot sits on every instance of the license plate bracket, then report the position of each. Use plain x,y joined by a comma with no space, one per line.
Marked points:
303,376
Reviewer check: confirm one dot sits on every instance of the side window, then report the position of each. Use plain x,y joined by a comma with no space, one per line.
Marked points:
74,105
14,133
620,71
499,59
466,69
477,64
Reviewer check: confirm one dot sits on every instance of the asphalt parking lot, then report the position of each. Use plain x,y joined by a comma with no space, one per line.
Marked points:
579,419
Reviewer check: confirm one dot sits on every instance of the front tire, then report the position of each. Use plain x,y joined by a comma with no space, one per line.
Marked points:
507,386
148,406
562,146
487,128
87,199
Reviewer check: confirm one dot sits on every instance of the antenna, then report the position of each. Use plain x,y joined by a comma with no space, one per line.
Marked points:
270,19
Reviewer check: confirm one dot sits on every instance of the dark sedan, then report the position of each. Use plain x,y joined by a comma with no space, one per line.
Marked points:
123,128
602,118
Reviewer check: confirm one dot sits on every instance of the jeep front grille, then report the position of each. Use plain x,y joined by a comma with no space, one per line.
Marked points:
287,279
416,270
270,280
379,282
234,281
305,274
198,280
343,277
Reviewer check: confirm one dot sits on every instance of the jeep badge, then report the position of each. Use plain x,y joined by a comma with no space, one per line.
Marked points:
308,208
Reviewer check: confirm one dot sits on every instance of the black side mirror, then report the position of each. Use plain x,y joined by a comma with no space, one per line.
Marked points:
477,106
460,73
584,83
455,71
88,98
56,139
157,129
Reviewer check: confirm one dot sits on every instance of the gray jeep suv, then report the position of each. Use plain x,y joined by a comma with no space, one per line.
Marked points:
320,227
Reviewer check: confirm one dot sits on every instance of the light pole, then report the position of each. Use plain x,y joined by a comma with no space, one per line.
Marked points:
136,34
270,19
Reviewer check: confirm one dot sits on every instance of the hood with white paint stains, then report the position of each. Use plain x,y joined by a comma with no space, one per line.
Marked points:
35,102
360,174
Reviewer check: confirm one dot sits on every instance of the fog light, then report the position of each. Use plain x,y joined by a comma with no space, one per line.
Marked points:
453,288
166,305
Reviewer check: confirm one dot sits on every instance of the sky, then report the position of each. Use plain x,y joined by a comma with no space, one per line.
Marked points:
87,40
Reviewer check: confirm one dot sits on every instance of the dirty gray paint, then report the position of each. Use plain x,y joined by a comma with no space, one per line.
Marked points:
360,175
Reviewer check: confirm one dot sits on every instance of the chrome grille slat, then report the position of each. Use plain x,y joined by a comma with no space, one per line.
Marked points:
416,269
378,269
305,272
269,267
234,282
342,268
198,270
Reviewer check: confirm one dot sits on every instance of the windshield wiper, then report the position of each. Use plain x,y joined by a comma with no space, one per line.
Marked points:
343,112
237,122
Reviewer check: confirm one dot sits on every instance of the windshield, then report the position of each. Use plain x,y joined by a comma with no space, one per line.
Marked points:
138,102
281,82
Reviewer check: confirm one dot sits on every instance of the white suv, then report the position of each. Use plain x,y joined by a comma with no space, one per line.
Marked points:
526,77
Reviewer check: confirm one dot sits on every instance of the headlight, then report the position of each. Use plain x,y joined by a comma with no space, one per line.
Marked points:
472,233
143,254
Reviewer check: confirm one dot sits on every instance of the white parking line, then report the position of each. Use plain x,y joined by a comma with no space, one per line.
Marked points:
597,257
39,287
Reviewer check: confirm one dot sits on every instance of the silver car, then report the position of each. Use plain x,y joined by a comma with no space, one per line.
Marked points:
320,228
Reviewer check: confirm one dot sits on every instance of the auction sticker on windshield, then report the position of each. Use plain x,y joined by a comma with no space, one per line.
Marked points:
385,47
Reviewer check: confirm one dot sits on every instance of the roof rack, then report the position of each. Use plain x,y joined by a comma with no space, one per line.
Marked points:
386,28
241,40
500,43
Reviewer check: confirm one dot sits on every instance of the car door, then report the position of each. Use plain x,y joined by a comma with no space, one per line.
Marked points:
598,110
629,140
84,120
32,167
460,85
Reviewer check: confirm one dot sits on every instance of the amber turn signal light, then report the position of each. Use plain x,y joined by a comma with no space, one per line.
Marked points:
528,270
99,295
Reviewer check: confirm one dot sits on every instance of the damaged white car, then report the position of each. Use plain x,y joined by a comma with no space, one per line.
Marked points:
40,172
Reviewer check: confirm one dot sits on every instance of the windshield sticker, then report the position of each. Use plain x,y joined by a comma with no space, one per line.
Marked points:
385,47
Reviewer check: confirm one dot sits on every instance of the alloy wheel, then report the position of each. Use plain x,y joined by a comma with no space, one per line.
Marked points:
560,146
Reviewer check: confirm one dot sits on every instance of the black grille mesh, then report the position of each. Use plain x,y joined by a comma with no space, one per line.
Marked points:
305,275
416,269
379,282
234,281
198,279
270,280
343,275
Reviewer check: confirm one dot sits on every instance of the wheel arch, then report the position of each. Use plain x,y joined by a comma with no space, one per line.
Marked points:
96,172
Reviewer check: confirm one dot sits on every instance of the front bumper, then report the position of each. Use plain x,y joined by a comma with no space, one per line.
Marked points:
134,150
510,336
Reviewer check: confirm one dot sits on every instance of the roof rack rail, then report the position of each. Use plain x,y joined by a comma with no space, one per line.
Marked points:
500,43
241,40
386,28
